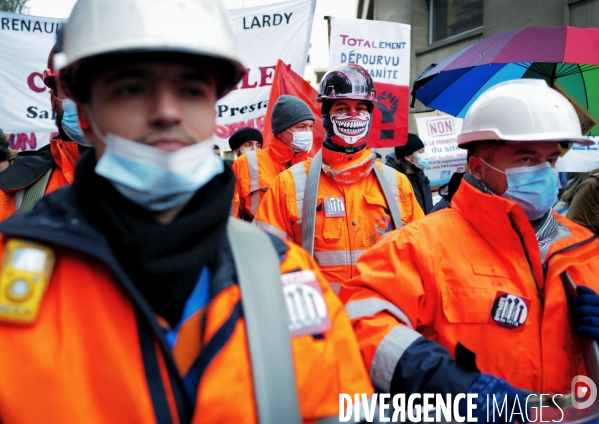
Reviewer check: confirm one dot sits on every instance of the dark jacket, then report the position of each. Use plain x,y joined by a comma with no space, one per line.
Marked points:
584,208
420,184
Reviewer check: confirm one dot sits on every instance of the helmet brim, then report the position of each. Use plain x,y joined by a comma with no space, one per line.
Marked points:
76,77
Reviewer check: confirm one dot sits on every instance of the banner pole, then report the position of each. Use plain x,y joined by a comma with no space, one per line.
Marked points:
329,19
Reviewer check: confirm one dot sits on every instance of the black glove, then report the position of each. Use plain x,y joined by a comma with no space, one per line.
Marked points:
585,311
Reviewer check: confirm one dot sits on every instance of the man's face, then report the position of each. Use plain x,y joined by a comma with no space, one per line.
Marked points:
510,155
166,105
350,119
248,146
287,135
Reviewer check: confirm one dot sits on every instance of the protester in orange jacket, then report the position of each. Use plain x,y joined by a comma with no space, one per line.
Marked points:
472,298
54,165
292,122
120,295
352,211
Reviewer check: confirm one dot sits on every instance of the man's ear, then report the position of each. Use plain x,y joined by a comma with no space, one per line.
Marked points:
83,119
475,167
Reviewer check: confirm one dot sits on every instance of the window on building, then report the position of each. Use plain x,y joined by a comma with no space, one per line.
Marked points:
454,17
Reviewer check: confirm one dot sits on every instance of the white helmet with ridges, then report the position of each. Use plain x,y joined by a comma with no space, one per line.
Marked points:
99,31
521,110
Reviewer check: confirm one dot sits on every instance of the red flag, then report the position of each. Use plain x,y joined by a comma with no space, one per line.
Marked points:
390,116
286,81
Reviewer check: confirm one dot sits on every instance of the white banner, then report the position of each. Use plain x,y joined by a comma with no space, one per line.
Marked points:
439,133
580,158
25,42
383,49
264,35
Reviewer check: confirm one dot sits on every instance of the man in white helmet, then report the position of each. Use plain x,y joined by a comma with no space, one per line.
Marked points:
124,297
479,306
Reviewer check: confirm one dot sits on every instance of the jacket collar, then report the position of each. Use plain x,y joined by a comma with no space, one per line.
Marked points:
282,154
66,155
341,160
492,217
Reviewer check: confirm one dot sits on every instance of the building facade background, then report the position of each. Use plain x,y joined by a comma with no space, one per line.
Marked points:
441,28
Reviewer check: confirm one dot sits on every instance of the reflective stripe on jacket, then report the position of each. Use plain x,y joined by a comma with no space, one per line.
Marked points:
443,278
97,354
339,240
61,158
255,172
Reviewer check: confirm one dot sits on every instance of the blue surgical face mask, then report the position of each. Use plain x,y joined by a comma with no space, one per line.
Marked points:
534,188
70,122
423,160
153,178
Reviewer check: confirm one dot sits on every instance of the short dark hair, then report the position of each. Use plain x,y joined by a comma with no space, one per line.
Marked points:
4,148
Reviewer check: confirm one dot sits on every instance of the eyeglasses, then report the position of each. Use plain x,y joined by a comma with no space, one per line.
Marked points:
49,78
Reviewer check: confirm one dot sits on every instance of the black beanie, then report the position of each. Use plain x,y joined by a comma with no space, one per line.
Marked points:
244,135
288,111
413,144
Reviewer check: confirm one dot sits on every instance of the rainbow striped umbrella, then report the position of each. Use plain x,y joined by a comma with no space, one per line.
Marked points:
566,57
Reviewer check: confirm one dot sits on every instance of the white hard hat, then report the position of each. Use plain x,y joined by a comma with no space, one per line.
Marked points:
97,28
521,110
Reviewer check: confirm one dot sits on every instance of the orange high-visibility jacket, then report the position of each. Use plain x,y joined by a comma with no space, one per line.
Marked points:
97,353
470,278
255,172
61,157
338,240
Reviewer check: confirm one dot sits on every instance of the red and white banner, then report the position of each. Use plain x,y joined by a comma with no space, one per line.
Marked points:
25,42
383,49
265,34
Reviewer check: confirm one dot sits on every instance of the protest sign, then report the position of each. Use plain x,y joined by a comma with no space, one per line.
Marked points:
383,49
29,140
580,158
264,34
25,42
439,133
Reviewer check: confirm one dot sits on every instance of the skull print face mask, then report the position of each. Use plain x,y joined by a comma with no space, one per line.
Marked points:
351,128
